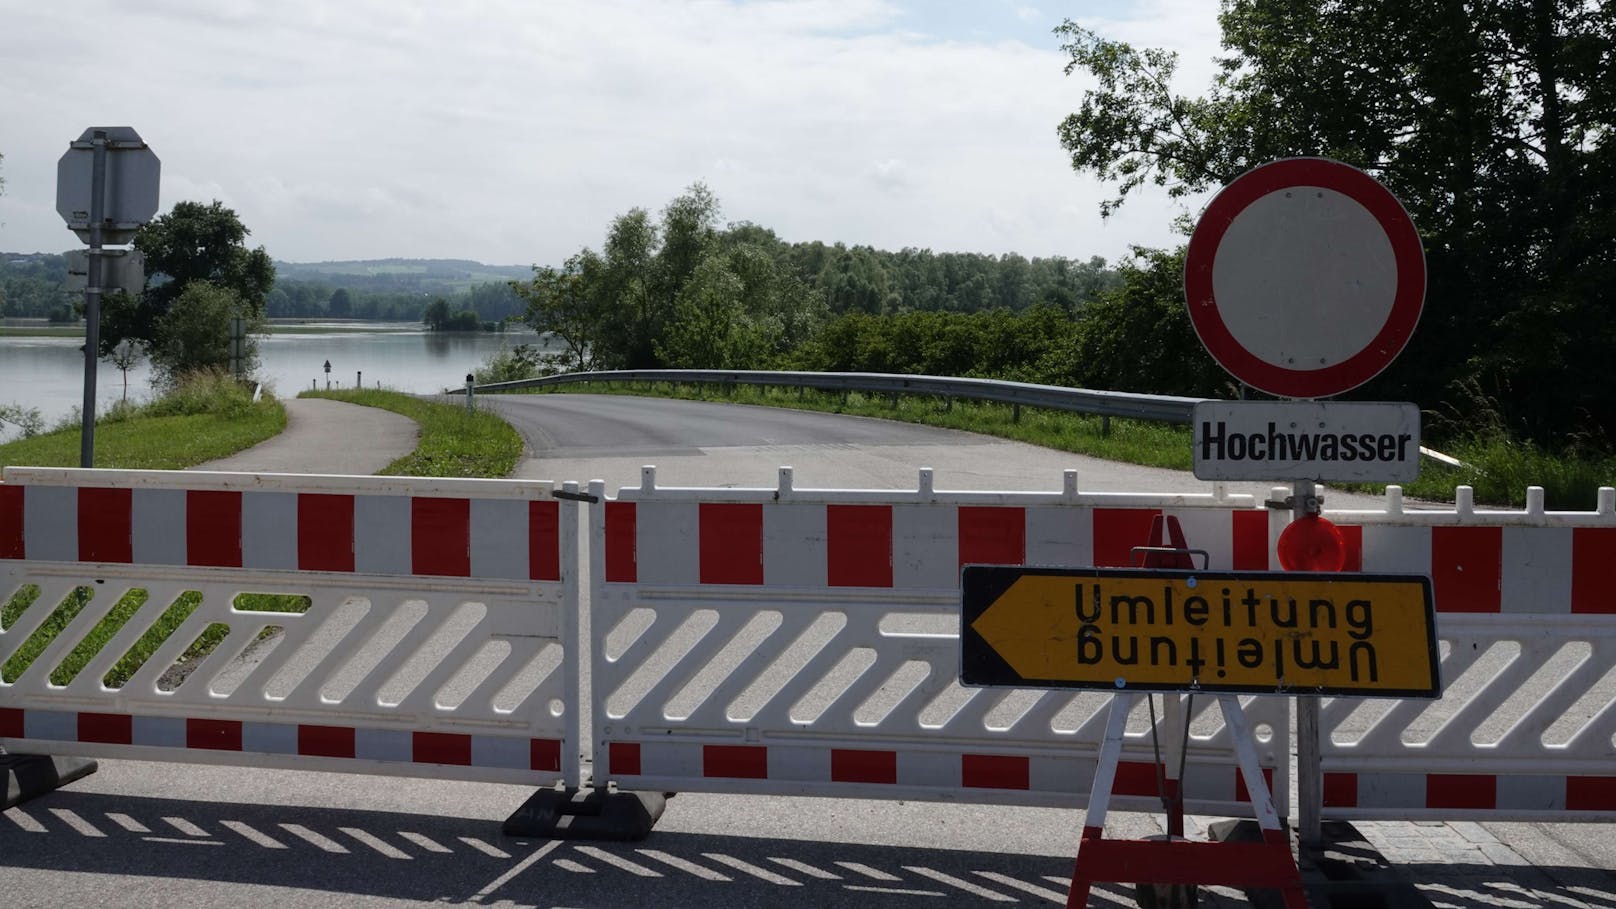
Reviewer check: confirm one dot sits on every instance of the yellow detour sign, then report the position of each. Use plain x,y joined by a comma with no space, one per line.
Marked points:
1176,630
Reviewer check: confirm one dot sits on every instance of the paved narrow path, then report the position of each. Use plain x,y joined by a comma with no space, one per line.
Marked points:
329,437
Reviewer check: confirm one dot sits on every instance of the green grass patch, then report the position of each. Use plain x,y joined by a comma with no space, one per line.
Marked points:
65,612
110,624
272,602
453,443
203,418
160,631
200,649
160,443
343,329
17,605
41,331
1500,470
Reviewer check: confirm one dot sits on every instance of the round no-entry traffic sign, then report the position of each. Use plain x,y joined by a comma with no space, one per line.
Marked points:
1305,278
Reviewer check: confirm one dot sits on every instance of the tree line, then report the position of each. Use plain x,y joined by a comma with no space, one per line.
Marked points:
31,286
1495,124
683,291
311,299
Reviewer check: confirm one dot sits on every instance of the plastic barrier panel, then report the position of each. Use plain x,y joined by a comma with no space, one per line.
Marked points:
806,642
377,625
1527,622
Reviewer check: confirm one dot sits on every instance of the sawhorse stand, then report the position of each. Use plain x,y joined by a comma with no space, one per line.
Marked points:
1267,864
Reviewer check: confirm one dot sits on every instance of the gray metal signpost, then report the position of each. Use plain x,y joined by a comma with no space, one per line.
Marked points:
1304,278
106,188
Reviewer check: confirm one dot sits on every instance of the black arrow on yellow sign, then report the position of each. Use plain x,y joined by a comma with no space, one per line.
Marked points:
1178,630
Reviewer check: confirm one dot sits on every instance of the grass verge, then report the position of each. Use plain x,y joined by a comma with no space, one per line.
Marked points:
206,417
41,331
453,443
1501,469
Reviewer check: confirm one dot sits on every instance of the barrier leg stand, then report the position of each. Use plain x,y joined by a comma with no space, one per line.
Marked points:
1176,725
29,776
1280,865
1264,865
587,814
575,809
1105,776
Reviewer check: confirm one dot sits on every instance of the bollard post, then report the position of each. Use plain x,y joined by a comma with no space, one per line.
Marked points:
359,379
471,381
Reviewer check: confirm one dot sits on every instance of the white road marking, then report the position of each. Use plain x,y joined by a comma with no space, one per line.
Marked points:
867,871
24,820
689,867
79,824
892,891
376,843
186,827
314,839
1023,886
574,867
484,848
126,822
252,835
425,842
510,875
805,868
762,874
618,861
965,885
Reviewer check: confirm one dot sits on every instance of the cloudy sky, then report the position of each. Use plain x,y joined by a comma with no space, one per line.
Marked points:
512,131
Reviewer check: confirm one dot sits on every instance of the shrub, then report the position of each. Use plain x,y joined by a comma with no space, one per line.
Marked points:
204,391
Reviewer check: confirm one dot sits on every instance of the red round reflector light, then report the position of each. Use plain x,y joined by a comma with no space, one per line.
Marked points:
1312,543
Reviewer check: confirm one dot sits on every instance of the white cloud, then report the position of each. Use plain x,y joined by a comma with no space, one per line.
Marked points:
512,132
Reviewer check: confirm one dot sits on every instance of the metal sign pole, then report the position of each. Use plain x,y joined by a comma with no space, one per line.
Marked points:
92,298
1309,765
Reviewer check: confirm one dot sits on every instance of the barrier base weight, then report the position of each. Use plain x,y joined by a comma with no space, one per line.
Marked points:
587,814
29,776
1265,865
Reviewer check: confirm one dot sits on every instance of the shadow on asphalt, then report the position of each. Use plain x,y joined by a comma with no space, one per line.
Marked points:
449,859
420,857
1493,886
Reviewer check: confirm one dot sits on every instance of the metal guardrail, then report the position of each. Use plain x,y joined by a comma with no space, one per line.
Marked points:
1158,408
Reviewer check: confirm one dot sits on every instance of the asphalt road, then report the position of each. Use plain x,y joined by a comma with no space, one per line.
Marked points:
139,834
699,443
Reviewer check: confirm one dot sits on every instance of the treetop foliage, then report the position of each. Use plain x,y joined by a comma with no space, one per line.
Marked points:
679,290
197,242
1492,121
194,244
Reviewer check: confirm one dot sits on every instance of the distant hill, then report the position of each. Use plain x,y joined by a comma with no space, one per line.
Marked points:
384,289
438,276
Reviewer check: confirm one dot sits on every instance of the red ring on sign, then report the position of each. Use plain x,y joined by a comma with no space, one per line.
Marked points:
1407,250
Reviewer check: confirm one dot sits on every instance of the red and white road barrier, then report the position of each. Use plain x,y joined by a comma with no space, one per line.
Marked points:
806,641
411,625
